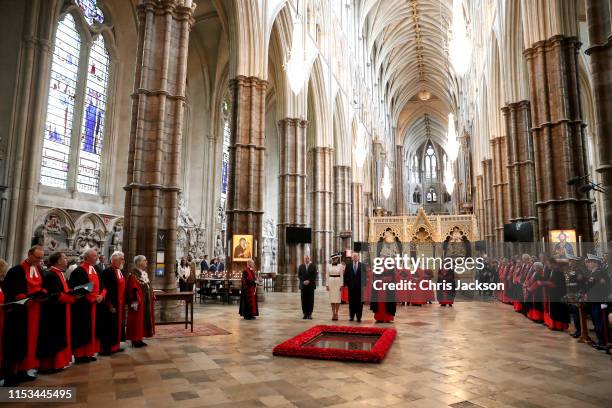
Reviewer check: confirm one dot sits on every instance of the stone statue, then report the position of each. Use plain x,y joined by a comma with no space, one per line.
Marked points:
219,249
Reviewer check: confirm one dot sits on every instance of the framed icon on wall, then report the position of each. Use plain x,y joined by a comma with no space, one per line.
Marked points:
563,242
242,248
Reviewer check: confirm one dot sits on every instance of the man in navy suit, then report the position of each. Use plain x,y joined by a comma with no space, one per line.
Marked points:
354,280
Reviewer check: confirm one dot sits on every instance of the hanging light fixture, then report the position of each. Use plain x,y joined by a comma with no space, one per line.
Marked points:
301,56
449,178
361,151
452,145
460,45
386,183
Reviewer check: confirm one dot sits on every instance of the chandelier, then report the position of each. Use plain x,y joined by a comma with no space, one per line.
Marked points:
449,178
361,151
301,57
460,45
386,183
452,145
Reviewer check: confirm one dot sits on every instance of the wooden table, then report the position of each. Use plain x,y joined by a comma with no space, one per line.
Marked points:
187,297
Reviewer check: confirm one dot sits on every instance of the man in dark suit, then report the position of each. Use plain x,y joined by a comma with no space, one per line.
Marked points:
354,274
204,264
307,274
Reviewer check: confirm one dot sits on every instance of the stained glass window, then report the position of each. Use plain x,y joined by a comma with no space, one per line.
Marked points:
430,163
94,113
76,108
60,106
91,12
226,144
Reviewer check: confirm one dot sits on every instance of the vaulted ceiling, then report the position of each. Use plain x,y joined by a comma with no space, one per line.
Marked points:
406,40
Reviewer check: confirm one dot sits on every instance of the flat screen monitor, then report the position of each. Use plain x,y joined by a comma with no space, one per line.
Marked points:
298,235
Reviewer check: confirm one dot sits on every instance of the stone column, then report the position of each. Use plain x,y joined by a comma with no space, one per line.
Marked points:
292,198
245,187
480,206
399,180
500,185
21,143
151,199
488,200
342,208
558,139
358,212
377,174
322,199
521,169
599,21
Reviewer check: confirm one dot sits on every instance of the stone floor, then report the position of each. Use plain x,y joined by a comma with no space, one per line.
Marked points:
475,354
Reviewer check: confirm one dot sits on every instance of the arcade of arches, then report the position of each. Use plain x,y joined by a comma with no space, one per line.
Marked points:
166,127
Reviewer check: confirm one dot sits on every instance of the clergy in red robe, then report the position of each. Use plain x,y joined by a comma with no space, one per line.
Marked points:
418,295
248,293
141,303
85,343
556,315
54,350
110,312
383,302
535,297
21,323
446,287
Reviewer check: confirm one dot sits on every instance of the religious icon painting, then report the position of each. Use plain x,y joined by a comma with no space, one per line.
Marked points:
242,248
563,242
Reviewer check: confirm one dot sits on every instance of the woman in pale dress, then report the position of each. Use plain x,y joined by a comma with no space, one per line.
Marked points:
334,284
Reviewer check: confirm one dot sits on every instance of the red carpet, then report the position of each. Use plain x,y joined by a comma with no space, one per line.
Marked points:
178,330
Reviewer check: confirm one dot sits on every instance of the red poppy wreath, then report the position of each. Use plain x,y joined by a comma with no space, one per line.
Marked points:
343,343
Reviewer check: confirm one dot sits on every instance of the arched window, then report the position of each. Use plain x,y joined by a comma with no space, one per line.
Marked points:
432,197
76,108
226,146
416,196
431,164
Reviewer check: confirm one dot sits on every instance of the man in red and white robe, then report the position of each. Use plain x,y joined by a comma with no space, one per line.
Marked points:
20,335
85,343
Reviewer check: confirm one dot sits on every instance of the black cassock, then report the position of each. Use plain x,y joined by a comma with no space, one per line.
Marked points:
52,329
15,336
80,318
107,323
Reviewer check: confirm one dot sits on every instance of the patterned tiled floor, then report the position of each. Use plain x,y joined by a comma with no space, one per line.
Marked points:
475,354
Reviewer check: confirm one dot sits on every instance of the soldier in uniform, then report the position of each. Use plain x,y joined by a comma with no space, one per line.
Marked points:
597,295
577,276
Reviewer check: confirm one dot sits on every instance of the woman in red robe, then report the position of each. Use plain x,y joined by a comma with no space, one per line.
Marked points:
85,343
248,293
54,349
141,304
